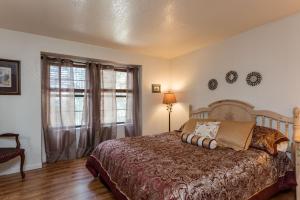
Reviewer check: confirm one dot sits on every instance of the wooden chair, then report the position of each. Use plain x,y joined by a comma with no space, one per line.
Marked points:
7,154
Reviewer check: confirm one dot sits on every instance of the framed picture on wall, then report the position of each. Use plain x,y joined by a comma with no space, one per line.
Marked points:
156,88
10,77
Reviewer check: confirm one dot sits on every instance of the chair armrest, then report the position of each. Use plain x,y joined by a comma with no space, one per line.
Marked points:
12,135
9,135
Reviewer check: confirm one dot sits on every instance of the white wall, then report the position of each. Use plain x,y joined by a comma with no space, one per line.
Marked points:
272,49
22,114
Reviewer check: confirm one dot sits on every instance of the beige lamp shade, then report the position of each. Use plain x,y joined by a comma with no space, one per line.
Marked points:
169,98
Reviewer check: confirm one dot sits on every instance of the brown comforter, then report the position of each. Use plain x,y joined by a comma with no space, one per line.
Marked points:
162,167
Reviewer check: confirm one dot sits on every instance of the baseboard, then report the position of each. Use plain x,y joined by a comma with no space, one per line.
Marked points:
16,169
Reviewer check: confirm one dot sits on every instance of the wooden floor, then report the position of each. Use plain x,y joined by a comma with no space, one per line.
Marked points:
64,180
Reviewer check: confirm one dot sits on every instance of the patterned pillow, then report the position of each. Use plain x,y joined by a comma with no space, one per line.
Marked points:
267,139
190,125
197,140
207,129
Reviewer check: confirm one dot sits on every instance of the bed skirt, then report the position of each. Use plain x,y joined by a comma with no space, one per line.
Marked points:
284,183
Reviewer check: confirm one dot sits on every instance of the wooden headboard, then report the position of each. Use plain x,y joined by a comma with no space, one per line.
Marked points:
241,111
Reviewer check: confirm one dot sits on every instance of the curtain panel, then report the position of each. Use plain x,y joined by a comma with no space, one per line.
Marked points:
84,104
133,116
90,128
58,114
99,103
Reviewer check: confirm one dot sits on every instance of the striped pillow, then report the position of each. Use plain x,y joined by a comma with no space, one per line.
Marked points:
198,140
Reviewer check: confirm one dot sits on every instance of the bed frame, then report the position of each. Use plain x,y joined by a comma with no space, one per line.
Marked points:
241,111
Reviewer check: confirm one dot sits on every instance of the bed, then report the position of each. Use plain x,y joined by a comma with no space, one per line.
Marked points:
162,167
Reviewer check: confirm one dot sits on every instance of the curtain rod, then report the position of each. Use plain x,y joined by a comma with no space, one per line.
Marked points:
84,61
58,58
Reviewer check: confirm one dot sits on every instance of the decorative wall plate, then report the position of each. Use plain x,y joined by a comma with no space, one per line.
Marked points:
231,77
212,84
254,78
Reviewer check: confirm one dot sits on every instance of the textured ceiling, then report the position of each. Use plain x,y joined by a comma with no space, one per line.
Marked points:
162,28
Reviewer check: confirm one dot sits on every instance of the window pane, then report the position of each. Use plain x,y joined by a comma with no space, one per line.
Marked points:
71,117
121,80
79,73
79,104
108,102
67,109
71,111
121,103
70,77
114,80
79,77
109,79
54,80
78,110
67,77
54,108
121,116
78,118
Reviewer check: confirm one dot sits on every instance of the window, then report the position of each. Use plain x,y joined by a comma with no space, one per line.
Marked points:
79,85
119,84
121,98
67,78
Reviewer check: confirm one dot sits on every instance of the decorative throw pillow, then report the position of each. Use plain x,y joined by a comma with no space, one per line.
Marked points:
190,125
198,140
235,134
267,139
207,129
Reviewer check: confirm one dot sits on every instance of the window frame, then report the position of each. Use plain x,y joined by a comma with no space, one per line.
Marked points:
119,91
76,90
80,92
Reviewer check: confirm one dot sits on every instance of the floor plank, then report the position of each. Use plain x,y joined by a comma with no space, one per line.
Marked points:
65,180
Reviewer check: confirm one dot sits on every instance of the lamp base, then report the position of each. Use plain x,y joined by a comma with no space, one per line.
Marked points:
169,109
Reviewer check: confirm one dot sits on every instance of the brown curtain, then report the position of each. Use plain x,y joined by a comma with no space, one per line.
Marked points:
133,113
108,108
100,108
58,114
98,92
91,112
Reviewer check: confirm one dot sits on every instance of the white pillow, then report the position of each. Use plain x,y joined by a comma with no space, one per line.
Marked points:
207,129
